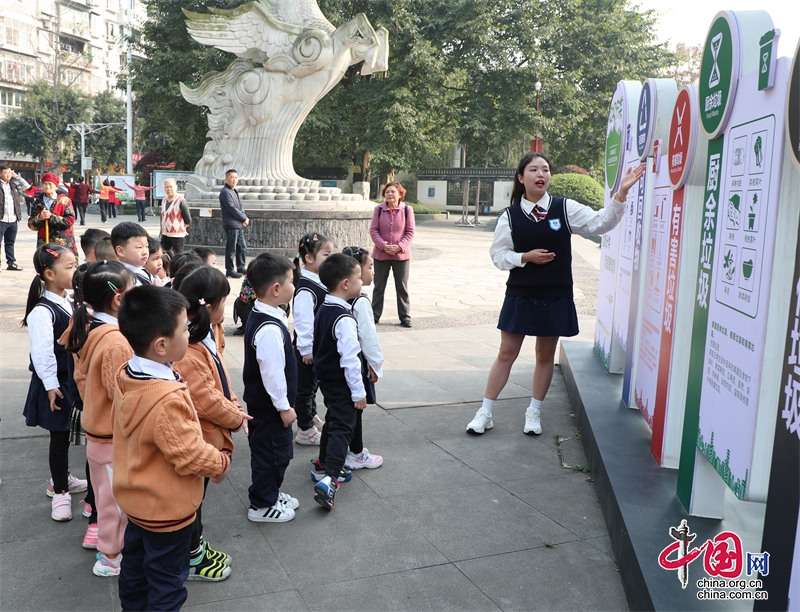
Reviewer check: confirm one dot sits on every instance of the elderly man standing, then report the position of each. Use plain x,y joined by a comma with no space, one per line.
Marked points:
233,222
10,199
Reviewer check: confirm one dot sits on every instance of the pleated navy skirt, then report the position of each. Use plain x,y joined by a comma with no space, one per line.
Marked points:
528,316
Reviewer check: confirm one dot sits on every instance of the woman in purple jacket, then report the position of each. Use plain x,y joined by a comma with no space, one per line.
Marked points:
392,231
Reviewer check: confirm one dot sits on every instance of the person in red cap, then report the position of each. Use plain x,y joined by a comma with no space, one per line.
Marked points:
53,215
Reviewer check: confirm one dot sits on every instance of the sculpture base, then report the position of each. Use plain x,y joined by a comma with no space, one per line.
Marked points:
280,229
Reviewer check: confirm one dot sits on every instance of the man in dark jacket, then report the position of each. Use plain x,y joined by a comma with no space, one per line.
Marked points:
10,186
233,222
80,198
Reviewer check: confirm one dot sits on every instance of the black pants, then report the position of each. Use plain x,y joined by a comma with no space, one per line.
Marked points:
400,272
270,453
357,443
89,499
80,211
8,235
112,209
170,243
197,527
103,210
305,403
59,460
154,569
340,423
235,250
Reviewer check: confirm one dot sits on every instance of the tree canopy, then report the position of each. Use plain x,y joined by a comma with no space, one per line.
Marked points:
460,72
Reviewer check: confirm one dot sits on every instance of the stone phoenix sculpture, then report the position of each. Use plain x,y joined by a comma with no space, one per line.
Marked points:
290,56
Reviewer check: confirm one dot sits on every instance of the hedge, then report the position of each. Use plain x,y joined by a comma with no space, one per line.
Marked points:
578,187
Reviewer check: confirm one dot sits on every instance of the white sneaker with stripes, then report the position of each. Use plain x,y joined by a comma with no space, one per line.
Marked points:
279,513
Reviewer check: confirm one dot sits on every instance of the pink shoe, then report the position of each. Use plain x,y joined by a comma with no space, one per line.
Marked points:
76,485
318,422
87,509
308,437
106,566
90,539
364,459
61,507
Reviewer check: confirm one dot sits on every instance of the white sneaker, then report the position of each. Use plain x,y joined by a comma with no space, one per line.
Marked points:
61,507
480,423
279,513
308,437
106,567
364,459
288,501
76,485
532,422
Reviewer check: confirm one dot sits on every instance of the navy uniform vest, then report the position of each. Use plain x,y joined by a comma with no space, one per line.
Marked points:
327,366
553,234
316,290
259,403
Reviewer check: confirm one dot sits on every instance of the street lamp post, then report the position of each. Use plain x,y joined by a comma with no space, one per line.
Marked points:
536,144
84,129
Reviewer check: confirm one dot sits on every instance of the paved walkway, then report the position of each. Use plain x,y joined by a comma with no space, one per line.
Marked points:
449,521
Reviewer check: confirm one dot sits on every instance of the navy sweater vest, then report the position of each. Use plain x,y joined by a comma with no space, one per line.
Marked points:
553,234
327,366
258,401
319,293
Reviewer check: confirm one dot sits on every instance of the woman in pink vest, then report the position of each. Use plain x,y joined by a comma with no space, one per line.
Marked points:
175,218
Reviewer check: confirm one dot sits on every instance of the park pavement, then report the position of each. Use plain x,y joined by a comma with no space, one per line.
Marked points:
449,522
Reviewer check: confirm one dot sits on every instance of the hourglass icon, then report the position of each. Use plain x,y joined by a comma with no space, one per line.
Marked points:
714,78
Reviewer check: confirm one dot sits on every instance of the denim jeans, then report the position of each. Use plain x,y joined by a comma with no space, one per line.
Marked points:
140,204
235,247
8,235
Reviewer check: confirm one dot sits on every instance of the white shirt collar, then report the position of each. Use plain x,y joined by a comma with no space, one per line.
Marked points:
265,308
332,299
544,202
153,368
64,302
105,318
134,269
209,343
311,276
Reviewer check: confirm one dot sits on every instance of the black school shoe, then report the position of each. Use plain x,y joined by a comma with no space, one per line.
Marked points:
14,267
406,323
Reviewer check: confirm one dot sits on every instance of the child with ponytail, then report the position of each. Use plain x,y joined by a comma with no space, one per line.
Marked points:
49,401
100,350
309,295
203,368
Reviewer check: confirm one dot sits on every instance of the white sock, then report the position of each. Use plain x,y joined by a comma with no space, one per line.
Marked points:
487,406
535,405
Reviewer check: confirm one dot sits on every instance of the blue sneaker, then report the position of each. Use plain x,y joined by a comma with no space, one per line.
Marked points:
325,491
318,472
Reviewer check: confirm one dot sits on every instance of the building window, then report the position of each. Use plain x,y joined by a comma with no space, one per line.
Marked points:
11,98
15,33
72,45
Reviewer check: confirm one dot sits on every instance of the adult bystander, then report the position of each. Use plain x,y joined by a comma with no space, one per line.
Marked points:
10,186
234,220
175,218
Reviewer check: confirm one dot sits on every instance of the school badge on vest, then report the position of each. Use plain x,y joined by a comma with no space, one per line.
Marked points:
555,224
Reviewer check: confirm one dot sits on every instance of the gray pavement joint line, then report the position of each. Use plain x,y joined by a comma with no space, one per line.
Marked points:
444,404
477,586
25,437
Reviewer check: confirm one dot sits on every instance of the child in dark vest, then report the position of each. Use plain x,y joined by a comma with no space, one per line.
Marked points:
160,457
308,297
131,247
338,367
203,367
533,242
270,386
50,394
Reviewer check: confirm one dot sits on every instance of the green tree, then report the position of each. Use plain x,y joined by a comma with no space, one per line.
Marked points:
34,128
108,146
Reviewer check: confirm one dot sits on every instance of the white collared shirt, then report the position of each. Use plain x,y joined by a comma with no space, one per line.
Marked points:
581,219
40,334
271,357
9,214
153,368
138,271
105,318
303,315
346,333
209,343
367,334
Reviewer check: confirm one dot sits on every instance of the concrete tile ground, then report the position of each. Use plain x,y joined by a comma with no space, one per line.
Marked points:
450,522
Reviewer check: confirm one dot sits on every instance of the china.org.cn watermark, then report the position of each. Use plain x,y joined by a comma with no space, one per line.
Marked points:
731,573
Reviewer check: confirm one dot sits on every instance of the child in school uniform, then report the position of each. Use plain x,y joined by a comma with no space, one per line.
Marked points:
337,365
100,350
130,242
371,357
309,295
205,289
50,394
155,260
270,385
160,457
89,241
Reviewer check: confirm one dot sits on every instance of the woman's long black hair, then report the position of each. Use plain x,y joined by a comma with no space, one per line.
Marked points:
101,282
202,286
519,189
45,258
